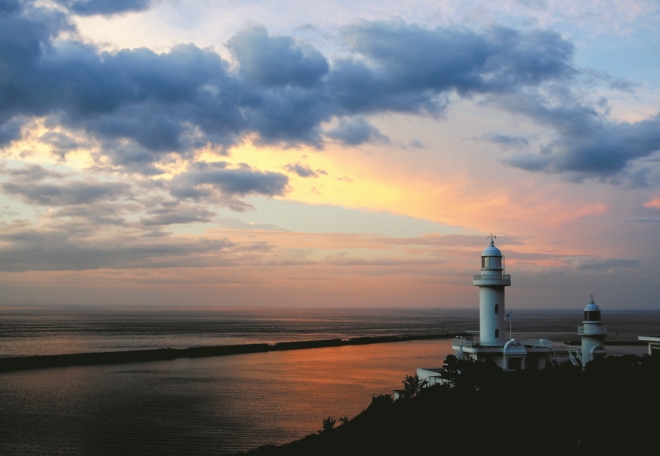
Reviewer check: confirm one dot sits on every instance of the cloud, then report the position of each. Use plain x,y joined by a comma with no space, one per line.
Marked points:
104,7
29,173
28,248
98,214
10,6
409,58
303,170
237,224
587,144
655,203
356,131
144,106
171,216
277,60
203,179
61,142
644,219
505,140
600,264
65,194
346,179
10,131
282,90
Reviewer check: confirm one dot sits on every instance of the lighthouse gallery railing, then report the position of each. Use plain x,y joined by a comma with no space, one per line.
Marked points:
461,342
588,330
491,276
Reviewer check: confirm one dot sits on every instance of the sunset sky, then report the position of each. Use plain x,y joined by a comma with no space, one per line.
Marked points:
328,153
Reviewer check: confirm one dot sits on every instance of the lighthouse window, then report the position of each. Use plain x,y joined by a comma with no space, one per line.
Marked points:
593,315
497,308
497,333
491,262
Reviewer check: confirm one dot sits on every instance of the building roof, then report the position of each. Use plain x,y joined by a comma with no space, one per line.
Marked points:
649,338
437,370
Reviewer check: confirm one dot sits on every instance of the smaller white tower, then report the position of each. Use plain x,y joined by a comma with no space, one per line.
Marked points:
593,333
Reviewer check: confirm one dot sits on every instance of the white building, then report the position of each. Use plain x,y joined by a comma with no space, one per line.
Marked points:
507,352
654,344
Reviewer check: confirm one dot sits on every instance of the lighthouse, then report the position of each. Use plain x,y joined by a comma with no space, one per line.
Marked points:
491,283
512,354
593,333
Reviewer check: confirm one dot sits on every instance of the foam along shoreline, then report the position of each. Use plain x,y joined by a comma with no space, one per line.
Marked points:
19,363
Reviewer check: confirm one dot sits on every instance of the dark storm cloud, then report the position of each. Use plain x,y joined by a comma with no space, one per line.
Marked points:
279,60
10,131
145,105
586,142
10,6
356,131
283,91
65,194
104,7
130,158
412,59
202,179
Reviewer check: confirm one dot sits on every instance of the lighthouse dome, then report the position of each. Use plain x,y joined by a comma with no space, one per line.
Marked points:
591,307
491,251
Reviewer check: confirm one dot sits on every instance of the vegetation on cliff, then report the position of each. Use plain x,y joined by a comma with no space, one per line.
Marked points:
609,408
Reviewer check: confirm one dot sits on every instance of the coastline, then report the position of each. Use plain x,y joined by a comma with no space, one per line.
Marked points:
20,363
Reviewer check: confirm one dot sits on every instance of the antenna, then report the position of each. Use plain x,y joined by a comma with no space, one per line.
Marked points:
592,296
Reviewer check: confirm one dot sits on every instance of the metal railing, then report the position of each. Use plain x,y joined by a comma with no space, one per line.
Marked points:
473,342
574,359
562,351
492,276
591,330
537,343
460,342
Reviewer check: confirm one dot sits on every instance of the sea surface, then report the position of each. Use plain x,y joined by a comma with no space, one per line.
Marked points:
225,404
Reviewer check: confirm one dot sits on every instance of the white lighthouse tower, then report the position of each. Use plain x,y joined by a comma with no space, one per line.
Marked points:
491,283
593,333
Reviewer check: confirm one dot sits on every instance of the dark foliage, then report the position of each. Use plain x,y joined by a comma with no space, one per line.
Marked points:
413,385
328,424
610,408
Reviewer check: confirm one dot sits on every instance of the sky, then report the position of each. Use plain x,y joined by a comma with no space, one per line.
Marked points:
328,153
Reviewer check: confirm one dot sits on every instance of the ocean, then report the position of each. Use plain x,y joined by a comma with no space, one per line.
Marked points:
233,403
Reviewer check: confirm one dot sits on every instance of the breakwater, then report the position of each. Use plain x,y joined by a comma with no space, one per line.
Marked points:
164,354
